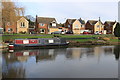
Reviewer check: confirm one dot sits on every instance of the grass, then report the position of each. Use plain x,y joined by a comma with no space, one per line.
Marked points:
16,36
84,36
85,40
28,36
114,40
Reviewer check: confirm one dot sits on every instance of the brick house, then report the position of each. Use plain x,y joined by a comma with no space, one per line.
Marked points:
16,27
44,23
68,24
11,27
109,26
95,26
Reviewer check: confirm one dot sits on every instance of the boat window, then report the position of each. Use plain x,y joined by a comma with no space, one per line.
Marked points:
57,41
51,41
46,41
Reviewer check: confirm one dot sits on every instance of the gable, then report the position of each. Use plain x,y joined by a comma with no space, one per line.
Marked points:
71,21
22,19
109,23
76,22
92,22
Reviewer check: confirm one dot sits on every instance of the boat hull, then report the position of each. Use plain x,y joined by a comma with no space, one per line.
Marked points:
40,43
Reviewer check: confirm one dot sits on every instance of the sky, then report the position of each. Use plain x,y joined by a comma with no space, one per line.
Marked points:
107,10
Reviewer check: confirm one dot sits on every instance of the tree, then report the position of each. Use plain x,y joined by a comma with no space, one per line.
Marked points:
117,52
10,12
117,30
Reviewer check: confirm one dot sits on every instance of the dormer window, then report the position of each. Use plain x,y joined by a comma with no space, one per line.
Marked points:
22,24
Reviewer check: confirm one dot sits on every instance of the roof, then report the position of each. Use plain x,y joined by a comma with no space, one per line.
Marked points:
45,20
71,20
92,22
110,23
19,17
81,21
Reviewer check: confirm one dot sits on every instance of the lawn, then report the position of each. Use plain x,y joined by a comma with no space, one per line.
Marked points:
12,37
85,36
16,36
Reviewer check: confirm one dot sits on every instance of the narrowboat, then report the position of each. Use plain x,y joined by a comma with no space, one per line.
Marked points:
38,42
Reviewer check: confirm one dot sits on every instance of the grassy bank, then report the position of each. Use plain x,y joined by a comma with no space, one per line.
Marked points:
112,38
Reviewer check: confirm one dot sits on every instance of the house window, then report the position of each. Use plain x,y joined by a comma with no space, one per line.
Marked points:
22,24
53,24
76,26
42,30
97,31
110,31
69,26
41,24
82,26
102,26
10,30
98,26
8,23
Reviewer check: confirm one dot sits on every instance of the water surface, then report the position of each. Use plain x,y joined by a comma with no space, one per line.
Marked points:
76,62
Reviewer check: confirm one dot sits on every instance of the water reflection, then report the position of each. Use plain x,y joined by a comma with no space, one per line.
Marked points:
117,52
22,63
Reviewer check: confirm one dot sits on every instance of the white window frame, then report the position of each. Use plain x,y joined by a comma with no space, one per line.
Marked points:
41,30
41,24
82,26
98,26
22,24
8,23
10,30
76,26
68,26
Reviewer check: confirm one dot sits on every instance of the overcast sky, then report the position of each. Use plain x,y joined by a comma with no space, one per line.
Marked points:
63,9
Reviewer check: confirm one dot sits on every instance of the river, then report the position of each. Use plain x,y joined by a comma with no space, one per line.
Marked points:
73,62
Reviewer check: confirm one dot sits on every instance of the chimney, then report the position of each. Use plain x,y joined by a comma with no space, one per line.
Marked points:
99,18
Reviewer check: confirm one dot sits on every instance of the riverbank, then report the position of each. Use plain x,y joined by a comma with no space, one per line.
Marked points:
74,40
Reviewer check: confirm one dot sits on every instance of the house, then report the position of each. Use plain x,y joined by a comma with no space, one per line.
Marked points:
10,27
95,26
31,21
61,27
44,23
68,24
22,25
78,26
31,27
109,26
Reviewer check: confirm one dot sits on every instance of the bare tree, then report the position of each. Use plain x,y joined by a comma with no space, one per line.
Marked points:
10,12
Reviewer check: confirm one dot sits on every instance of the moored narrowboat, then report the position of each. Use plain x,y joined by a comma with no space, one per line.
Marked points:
38,42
